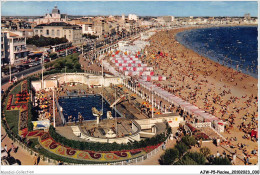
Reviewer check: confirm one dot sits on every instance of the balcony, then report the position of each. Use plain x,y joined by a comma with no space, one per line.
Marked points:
21,50
19,43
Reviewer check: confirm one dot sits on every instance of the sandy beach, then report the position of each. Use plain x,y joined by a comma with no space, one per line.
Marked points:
220,91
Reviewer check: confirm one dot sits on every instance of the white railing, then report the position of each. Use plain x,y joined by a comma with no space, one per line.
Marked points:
202,125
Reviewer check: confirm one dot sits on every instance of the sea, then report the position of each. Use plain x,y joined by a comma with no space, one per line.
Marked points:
235,47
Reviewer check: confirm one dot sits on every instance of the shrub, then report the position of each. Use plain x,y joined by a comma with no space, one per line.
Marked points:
182,148
53,55
189,140
169,156
197,157
186,160
220,161
29,121
205,151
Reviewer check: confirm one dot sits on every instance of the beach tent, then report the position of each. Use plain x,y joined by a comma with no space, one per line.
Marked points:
254,133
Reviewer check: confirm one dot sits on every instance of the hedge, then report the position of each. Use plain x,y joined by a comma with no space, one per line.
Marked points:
97,146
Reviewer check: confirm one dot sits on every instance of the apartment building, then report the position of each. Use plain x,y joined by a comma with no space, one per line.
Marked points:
13,48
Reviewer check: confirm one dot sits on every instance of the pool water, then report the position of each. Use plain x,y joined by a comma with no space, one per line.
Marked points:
73,105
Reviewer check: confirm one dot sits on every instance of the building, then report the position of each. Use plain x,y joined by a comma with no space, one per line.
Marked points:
165,19
132,17
26,32
247,16
88,29
73,33
55,16
13,48
168,18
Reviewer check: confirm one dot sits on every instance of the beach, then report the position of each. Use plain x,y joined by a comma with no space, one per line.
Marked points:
221,91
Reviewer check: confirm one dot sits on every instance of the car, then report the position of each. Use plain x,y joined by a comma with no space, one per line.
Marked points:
33,64
46,60
37,63
25,62
26,66
53,78
21,68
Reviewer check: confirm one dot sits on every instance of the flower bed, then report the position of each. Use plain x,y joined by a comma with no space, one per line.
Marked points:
198,134
21,104
201,135
48,143
9,102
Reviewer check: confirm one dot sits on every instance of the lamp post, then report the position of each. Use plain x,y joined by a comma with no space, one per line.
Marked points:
42,72
102,85
54,109
10,72
115,113
152,101
65,74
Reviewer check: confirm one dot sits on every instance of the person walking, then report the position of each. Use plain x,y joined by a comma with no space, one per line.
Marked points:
200,145
234,157
35,159
164,146
14,149
6,149
218,154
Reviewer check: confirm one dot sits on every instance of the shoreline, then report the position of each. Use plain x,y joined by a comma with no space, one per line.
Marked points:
214,58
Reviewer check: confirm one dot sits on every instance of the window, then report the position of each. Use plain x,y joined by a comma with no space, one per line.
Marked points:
47,32
58,33
52,32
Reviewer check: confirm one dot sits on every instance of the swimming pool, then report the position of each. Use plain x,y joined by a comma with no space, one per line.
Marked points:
73,105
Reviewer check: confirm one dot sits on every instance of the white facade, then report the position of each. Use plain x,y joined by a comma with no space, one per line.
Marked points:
14,48
84,78
88,29
132,17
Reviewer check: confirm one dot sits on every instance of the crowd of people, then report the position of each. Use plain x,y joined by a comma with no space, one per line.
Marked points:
223,92
44,105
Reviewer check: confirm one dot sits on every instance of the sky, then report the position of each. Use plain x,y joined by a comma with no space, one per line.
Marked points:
141,8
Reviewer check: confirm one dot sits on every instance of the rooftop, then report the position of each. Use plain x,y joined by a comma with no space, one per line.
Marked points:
13,35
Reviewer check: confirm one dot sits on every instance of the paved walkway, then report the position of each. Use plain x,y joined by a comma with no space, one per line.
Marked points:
22,155
154,160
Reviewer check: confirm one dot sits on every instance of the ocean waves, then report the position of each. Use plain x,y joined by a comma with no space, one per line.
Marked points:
234,47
